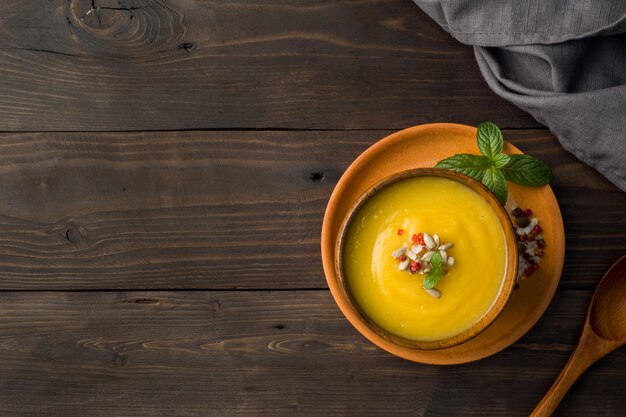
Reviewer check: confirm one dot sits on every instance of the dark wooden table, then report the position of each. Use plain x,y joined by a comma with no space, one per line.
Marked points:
165,170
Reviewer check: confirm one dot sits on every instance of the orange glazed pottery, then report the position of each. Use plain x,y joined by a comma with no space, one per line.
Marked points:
422,147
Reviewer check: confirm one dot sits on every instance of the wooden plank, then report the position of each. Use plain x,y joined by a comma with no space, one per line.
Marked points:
252,353
88,65
221,209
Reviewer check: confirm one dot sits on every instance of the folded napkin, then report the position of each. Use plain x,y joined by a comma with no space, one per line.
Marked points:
564,62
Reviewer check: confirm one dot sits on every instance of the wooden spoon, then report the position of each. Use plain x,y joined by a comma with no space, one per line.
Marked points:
604,331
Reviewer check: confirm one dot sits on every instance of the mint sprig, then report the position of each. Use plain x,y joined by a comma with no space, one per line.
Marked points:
495,181
527,170
465,163
493,168
436,271
490,140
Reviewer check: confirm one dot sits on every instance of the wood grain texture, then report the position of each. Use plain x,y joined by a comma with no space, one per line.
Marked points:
211,210
89,65
291,92
260,353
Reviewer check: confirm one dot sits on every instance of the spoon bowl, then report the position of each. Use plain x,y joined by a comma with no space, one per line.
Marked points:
607,314
604,331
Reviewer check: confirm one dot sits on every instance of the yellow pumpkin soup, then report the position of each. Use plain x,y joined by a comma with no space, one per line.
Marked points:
391,290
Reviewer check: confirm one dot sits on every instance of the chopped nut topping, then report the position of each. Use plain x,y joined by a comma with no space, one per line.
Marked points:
417,257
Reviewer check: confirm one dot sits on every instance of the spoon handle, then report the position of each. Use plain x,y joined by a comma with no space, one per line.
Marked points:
590,348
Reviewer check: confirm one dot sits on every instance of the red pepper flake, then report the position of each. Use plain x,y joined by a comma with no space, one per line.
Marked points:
535,266
541,243
523,238
415,239
537,229
420,239
528,271
400,232
528,212
402,258
414,267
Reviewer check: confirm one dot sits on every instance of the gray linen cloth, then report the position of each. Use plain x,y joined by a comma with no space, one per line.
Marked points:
562,61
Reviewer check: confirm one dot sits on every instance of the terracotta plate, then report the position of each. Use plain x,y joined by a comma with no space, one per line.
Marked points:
423,146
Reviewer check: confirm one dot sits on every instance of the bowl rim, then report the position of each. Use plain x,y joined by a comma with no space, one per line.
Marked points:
374,332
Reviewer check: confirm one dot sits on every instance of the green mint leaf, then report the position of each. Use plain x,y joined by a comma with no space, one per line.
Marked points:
490,140
495,181
433,278
501,160
527,170
436,271
468,164
436,261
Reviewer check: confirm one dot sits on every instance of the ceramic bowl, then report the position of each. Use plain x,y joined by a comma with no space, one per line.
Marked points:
391,342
